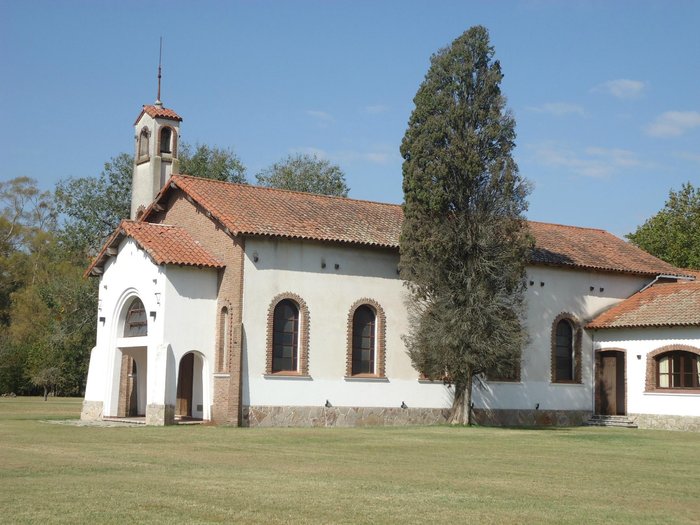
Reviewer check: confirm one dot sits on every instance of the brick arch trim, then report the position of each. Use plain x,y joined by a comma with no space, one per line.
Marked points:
223,337
304,321
380,342
577,336
651,365
173,141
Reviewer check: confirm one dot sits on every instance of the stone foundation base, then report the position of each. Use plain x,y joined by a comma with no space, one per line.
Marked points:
92,411
530,418
661,422
276,416
160,415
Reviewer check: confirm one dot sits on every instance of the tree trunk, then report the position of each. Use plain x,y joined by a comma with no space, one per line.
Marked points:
46,393
461,413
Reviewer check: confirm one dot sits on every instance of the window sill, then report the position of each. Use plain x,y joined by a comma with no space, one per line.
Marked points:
566,383
366,378
142,160
674,392
506,381
287,375
222,374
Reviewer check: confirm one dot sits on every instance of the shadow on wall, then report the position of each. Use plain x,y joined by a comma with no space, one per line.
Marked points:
317,258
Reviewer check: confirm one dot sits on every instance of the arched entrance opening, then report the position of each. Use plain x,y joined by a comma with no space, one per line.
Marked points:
128,397
190,404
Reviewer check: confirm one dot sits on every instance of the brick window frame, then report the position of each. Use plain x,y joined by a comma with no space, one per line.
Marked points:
173,142
652,369
142,146
380,339
303,343
223,338
577,335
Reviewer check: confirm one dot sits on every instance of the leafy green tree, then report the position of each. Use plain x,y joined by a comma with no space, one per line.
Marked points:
93,207
307,173
673,234
464,242
211,162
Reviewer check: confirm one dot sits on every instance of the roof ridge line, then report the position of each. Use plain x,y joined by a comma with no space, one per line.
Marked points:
334,197
574,227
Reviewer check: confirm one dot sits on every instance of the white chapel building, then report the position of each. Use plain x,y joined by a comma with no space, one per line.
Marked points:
252,306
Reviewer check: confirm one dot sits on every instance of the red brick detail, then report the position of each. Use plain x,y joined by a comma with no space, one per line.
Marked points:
173,140
229,249
303,344
577,336
652,365
224,337
380,338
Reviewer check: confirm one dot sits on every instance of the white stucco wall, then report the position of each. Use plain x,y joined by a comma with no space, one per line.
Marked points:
187,295
190,326
555,291
296,267
637,343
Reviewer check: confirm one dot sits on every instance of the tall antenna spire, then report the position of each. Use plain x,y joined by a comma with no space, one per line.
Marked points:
160,57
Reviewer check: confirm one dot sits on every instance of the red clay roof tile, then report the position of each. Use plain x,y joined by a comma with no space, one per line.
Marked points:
663,304
251,210
165,244
158,112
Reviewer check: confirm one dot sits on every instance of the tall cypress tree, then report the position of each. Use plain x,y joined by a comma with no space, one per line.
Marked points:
464,242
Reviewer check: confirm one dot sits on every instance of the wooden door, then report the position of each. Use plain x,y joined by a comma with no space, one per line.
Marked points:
612,383
184,386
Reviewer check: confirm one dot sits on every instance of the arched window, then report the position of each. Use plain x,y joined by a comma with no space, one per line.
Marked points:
136,323
166,134
678,369
143,144
223,342
566,350
363,341
285,337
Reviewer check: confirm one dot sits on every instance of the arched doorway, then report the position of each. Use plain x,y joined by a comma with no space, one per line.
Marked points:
131,361
190,403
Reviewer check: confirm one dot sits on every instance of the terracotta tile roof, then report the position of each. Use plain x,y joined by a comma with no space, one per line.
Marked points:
252,210
593,249
158,112
165,244
663,304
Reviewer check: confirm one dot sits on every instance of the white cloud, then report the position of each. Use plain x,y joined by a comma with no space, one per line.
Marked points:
622,88
591,162
322,117
377,108
558,109
673,123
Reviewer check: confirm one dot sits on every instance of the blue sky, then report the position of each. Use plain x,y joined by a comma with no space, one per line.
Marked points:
606,95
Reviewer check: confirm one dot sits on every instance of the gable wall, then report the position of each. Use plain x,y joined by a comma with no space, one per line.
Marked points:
190,216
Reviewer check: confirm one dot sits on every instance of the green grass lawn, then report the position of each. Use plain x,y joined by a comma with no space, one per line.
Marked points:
184,474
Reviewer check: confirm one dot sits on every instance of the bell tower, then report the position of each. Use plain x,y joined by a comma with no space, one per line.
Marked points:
157,130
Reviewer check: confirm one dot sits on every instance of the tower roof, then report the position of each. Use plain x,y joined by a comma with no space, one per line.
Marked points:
158,112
